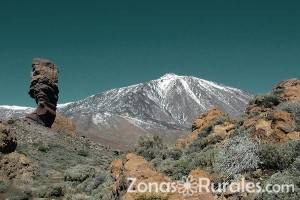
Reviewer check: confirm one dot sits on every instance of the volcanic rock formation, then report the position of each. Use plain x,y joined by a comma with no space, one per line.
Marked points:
199,124
288,90
44,89
8,141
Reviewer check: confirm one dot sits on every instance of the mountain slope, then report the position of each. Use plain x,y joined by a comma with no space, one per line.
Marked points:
50,165
165,106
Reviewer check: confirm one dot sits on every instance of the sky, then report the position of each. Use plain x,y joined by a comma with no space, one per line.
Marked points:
100,45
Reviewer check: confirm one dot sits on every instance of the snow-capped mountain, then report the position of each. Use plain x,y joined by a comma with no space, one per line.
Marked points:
166,106
7,112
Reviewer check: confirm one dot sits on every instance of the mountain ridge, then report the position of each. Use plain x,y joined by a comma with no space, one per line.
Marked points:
164,106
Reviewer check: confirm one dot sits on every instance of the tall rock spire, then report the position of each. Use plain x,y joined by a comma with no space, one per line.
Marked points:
44,89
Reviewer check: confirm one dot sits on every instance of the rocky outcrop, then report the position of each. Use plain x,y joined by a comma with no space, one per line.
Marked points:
224,129
270,121
274,117
8,141
64,124
204,120
134,166
44,89
16,167
272,126
288,90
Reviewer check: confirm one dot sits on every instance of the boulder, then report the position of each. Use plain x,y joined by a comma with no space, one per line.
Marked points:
16,167
203,121
272,126
134,166
8,141
288,90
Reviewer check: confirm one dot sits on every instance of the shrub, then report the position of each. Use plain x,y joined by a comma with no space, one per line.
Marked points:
182,168
200,143
296,164
174,154
20,195
83,152
166,166
149,147
101,178
157,161
278,156
43,147
294,109
267,100
287,177
79,173
176,169
204,158
278,91
11,121
238,155
103,191
3,186
55,191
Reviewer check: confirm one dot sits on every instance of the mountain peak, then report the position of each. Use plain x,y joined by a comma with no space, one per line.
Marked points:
169,75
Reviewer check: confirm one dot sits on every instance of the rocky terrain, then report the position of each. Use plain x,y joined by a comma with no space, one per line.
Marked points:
38,162
46,156
262,146
165,106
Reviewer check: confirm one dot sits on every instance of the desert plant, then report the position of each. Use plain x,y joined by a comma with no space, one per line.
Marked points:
294,109
43,147
239,154
99,179
289,178
79,173
20,194
176,169
55,191
11,121
204,158
200,143
267,100
278,156
83,152
3,186
103,191
149,147
296,164
174,153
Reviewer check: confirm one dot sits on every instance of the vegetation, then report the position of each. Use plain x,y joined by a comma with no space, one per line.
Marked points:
150,147
62,166
291,177
267,100
294,109
238,155
3,186
278,156
205,158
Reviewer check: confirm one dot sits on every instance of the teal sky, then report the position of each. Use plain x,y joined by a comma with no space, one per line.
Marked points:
99,45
